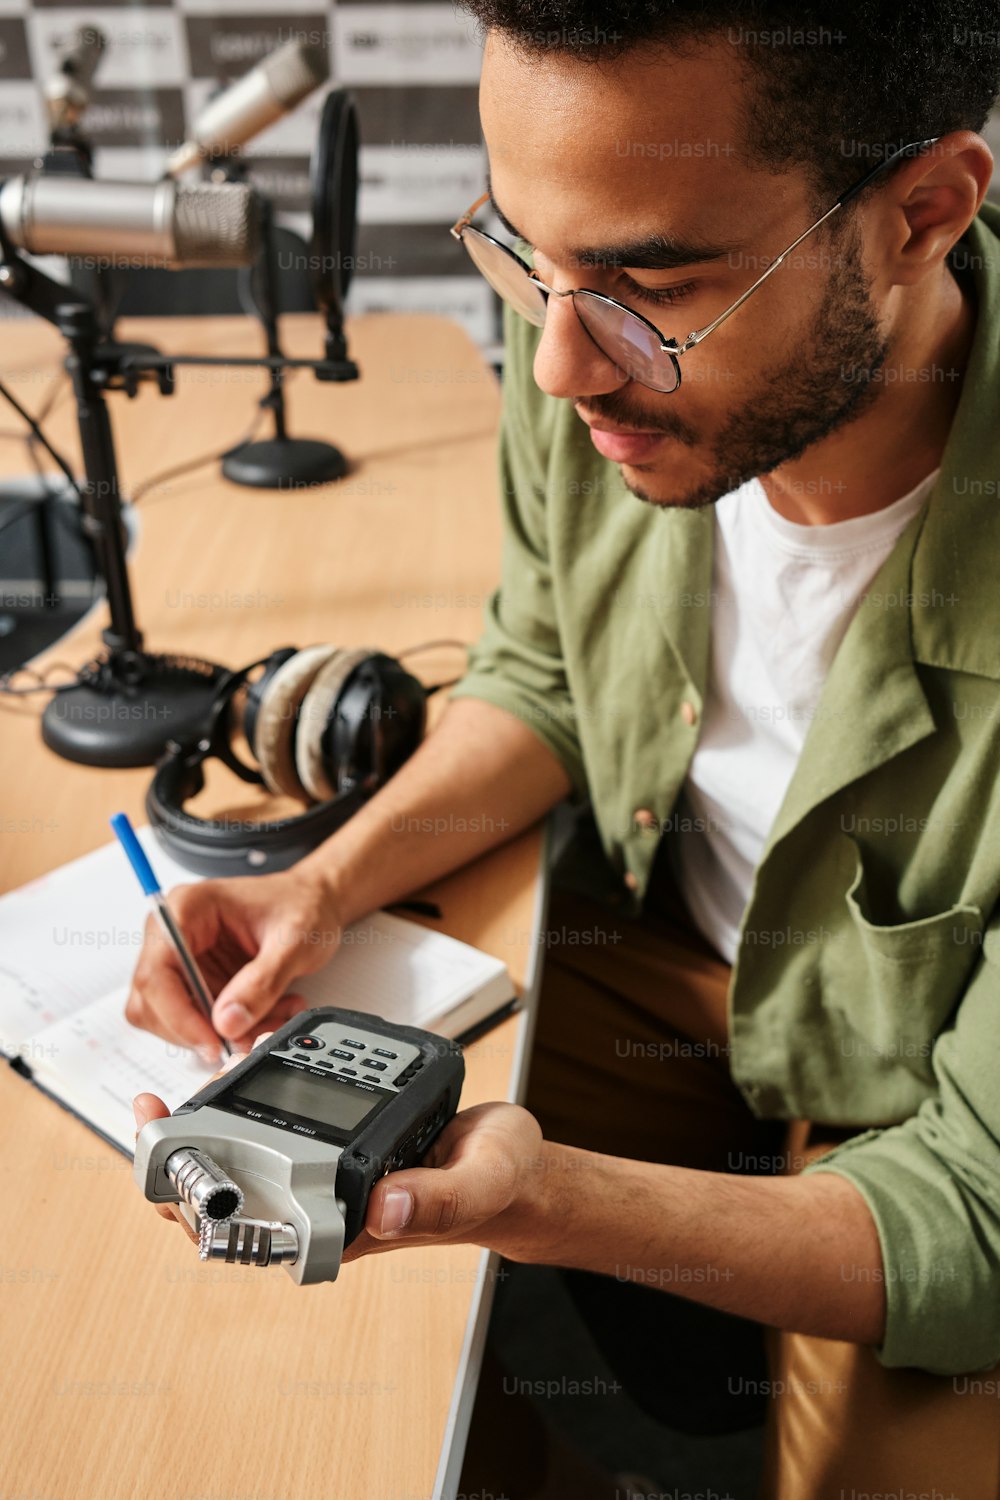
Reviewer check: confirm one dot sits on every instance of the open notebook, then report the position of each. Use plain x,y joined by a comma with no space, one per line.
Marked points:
69,942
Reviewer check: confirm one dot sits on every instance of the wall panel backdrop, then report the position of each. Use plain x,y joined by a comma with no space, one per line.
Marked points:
412,67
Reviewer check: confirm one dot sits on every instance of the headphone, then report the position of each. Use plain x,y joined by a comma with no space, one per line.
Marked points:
325,725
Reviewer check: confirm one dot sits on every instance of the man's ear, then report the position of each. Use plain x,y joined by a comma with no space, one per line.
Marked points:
932,200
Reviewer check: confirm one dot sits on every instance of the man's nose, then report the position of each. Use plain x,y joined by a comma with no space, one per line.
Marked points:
567,361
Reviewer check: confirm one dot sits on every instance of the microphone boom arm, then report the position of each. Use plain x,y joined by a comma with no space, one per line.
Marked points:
125,706
120,367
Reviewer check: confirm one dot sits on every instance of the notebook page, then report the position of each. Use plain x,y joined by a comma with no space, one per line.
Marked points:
68,945
399,970
71,936
97,1062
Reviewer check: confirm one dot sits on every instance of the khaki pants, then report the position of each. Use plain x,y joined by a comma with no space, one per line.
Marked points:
630,1058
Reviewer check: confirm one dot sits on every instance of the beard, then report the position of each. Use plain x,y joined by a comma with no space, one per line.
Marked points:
829,381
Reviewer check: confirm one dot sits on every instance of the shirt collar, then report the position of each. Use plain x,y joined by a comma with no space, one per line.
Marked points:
955,603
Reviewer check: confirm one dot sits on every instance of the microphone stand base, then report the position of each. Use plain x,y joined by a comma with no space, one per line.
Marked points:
284,464
127,706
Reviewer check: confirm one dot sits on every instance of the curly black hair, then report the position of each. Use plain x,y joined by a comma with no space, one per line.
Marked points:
837,85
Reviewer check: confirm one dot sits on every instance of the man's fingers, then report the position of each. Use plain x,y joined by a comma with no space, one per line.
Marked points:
160,1001
148,1107
255,990
283,1010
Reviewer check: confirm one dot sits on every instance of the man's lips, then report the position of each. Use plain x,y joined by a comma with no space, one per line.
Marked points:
621,444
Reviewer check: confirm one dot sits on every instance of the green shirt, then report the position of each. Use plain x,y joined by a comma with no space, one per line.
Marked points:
866,987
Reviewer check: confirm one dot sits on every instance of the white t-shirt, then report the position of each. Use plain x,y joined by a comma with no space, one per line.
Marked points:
783,597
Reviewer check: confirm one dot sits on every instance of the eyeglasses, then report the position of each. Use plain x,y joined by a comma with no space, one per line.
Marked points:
638,348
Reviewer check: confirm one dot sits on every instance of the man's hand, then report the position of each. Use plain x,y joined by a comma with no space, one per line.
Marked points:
253,936
801,1253
478,1185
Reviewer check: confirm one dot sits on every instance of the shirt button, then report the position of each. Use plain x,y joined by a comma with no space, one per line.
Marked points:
644,818
688,712
632,881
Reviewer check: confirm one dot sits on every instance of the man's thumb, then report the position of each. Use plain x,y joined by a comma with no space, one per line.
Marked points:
395,1212
147,1107
425,1200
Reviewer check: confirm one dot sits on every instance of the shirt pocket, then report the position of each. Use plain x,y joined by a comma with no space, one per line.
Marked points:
911,976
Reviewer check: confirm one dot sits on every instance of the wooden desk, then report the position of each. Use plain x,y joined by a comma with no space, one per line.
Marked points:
129,1368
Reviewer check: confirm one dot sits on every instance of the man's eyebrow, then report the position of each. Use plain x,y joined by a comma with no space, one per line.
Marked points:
511,230
658,252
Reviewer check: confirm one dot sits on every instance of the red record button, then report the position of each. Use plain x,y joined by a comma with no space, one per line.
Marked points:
308,1043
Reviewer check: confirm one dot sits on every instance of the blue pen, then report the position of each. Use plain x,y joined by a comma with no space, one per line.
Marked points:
144,870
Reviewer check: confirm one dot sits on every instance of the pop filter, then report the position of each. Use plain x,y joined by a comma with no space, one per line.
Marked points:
282,461
334,182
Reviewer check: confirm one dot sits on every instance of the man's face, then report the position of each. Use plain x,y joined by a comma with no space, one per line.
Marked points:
586,159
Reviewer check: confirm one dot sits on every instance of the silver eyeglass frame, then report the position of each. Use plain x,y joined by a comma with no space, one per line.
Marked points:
671,347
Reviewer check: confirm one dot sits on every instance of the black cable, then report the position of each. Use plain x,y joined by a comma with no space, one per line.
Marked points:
71,523
35,436
197,463
43,478
18,514
41,686
428,645
40,437
57,389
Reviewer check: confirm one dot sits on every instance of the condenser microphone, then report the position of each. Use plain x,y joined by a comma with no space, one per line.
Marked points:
67,92
132,222
272,89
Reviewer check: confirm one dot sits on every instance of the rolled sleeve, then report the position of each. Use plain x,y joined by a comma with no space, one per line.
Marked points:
517,664
932,1186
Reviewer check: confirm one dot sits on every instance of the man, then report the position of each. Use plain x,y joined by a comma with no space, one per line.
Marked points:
750,618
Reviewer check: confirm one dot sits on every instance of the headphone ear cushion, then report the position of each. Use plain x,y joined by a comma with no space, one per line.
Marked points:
319,703
248,700
275,728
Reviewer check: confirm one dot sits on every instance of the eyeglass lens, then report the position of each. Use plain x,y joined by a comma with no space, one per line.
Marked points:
506,276
622,337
